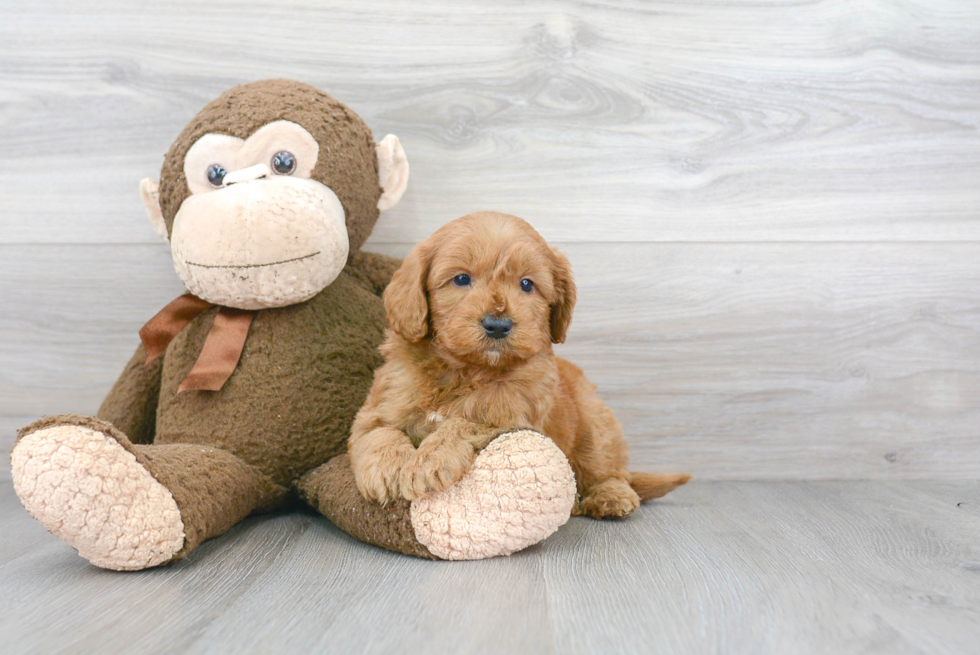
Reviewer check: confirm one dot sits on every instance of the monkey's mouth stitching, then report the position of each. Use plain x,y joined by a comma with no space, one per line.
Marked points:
285,261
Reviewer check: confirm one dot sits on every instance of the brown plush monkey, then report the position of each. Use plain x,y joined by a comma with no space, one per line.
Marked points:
242,396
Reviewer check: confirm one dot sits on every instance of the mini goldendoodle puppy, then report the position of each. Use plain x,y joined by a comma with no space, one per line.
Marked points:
473,313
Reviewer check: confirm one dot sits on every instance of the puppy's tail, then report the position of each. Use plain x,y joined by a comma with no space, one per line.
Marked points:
655,485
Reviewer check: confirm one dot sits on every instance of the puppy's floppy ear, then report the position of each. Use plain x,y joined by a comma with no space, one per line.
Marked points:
406,299
565,295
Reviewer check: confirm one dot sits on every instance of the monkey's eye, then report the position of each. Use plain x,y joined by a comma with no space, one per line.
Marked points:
462,280
284,163
216,175
527,285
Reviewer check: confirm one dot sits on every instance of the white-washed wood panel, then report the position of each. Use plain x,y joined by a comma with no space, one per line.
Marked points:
772,568
787,360
662,121
8,432
739,361
723,567
287,583
71,319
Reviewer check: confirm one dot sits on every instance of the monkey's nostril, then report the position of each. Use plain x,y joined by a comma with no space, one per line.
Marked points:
497,328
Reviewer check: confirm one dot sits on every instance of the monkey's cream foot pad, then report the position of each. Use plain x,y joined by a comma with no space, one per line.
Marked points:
519,491
91,492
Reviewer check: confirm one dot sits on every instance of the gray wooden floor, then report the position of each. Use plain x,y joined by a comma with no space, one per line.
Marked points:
718,567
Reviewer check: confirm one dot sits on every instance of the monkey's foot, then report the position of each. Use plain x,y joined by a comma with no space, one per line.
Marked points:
519,491
88,490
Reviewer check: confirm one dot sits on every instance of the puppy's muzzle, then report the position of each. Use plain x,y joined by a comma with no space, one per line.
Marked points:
497,327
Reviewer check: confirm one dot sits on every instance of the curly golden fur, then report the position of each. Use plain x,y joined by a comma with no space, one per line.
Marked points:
474,311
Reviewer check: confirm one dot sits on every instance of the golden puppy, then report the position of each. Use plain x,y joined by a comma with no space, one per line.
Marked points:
473,312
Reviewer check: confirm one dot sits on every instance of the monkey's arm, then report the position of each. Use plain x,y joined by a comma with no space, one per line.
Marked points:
131,406
373,270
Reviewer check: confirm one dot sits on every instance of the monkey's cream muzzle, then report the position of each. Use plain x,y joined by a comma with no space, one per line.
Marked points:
260,242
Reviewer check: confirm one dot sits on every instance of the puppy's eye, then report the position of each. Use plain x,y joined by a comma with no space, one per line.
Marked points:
462,280
527,285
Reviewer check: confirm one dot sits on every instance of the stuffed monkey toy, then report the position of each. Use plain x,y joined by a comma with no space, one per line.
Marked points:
241,397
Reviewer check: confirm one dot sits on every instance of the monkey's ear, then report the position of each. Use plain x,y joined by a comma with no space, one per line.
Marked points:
150,193
565,295
406,300
392,171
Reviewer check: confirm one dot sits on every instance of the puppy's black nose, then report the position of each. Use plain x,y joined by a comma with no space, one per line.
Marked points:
497,328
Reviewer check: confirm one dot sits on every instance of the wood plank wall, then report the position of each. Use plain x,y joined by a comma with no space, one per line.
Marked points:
772,208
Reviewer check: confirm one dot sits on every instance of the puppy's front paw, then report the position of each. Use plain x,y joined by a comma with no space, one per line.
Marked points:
436,465
611,498
377,474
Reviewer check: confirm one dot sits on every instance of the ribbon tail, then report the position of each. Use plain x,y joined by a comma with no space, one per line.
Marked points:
222,350
160,330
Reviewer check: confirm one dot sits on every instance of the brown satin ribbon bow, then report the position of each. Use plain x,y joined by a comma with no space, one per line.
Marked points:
222,348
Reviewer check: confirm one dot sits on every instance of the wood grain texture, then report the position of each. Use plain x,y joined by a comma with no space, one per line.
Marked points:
731,361
600,121
771,208
819,551
841,567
